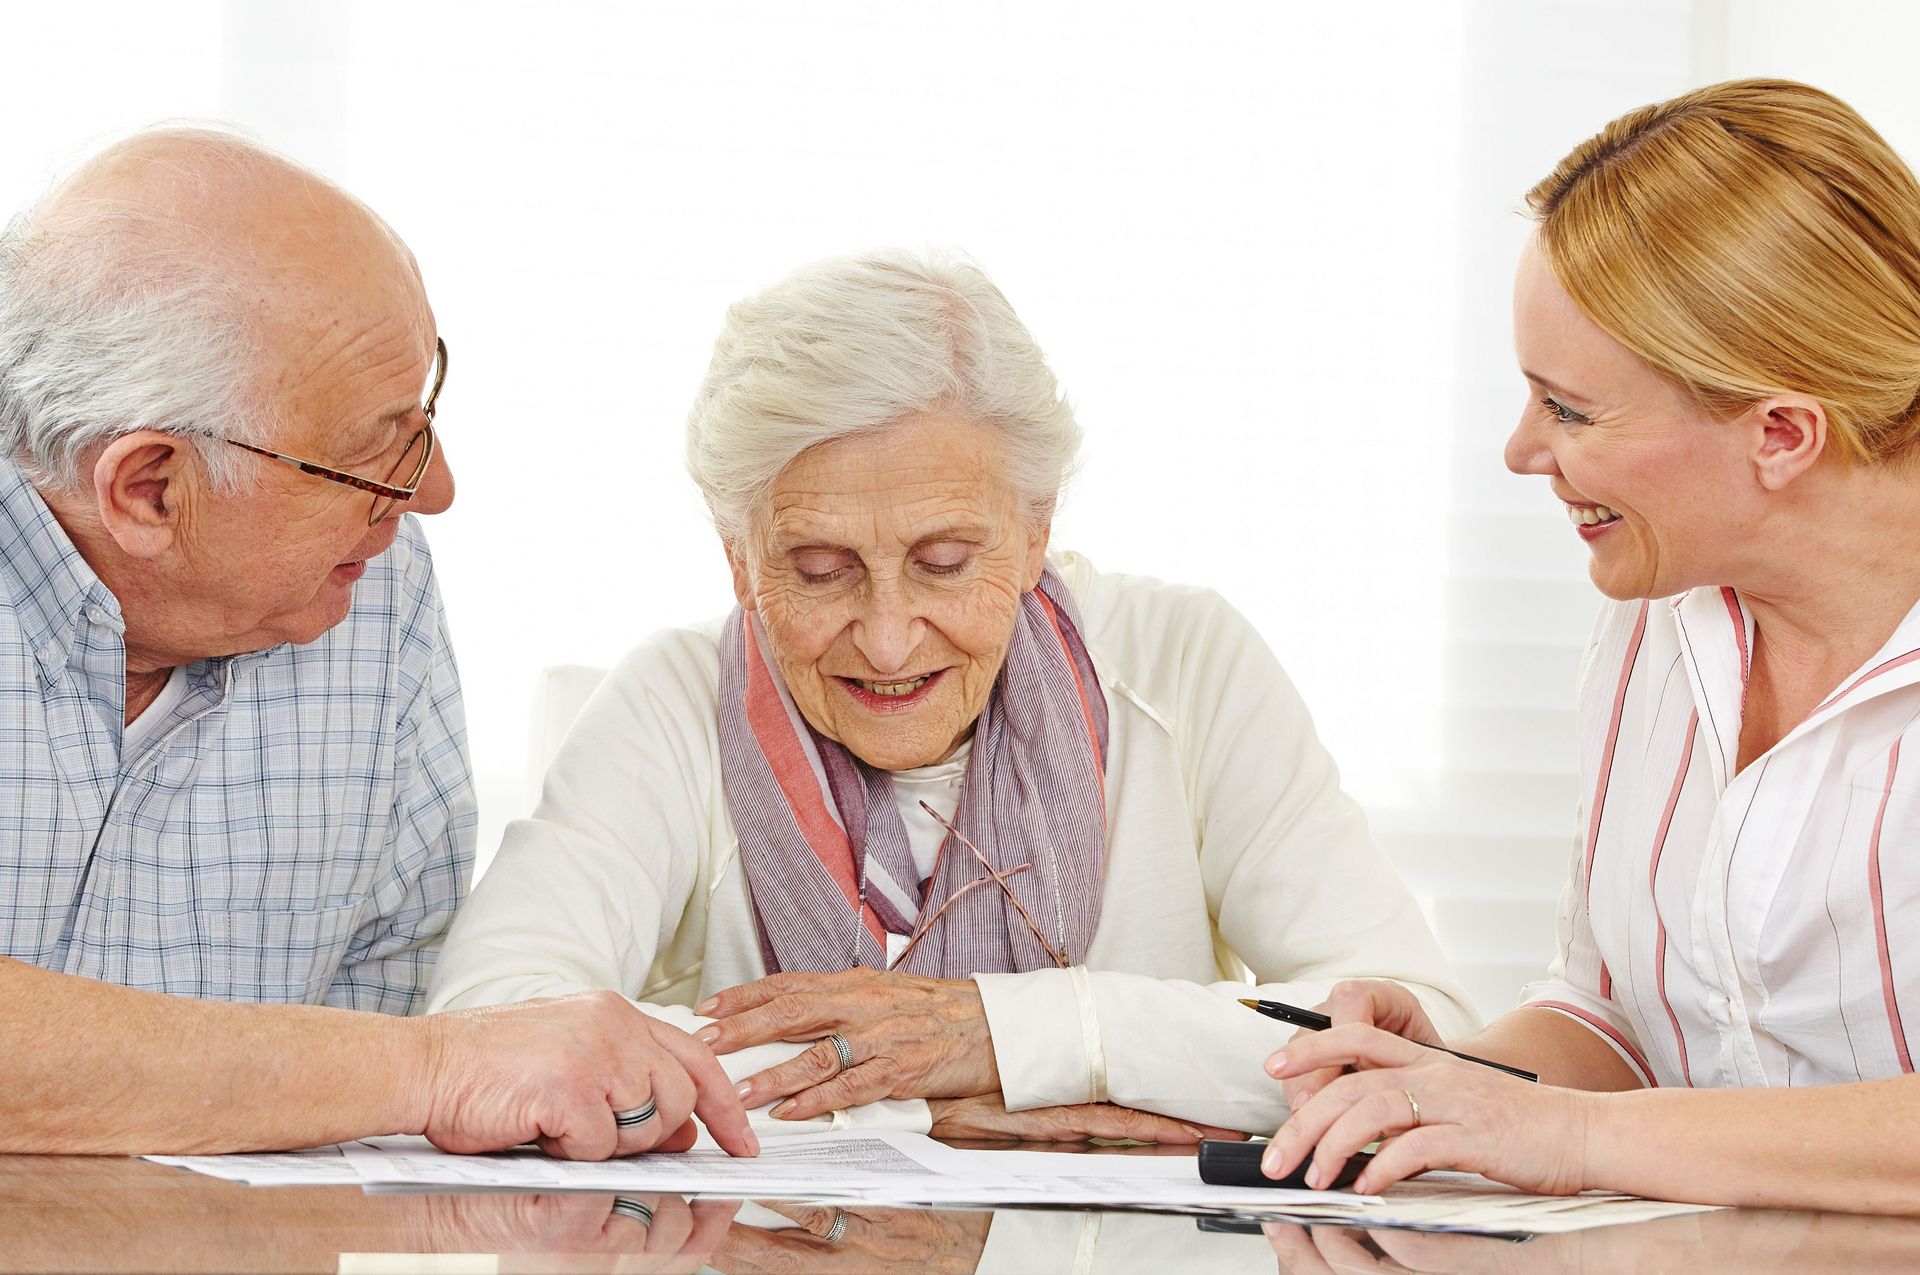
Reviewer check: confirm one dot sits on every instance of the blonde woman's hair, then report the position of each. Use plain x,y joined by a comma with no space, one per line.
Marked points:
1749,239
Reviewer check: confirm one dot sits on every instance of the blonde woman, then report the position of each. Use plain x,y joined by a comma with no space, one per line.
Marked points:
1719,324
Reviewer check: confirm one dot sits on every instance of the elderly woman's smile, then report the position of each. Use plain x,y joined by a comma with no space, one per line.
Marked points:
887,570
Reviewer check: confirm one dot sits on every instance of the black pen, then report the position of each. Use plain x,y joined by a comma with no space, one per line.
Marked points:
1317,1022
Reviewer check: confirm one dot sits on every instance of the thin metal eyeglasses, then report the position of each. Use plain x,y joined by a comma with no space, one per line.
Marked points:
385,494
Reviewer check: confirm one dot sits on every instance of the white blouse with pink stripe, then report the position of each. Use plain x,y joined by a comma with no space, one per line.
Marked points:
1753,929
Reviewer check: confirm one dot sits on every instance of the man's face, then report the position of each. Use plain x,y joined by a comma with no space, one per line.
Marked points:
349,346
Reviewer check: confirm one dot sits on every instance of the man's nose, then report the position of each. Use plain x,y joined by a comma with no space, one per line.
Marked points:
435,493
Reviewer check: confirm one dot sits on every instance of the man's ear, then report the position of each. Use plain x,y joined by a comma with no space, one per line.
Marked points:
1788,434
1037,538
139,484
742,576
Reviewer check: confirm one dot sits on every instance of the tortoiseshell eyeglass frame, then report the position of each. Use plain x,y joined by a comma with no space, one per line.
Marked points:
385,494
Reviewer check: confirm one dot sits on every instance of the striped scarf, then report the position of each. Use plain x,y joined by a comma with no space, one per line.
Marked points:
824,848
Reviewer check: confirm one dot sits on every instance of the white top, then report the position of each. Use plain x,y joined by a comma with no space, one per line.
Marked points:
1229,841
939,786
138,733
1752,929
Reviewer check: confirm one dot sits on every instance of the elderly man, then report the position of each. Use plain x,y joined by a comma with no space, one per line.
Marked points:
232,750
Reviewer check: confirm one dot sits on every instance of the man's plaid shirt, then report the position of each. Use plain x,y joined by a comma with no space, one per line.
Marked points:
299,829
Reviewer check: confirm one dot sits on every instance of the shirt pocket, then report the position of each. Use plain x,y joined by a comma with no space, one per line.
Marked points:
279,955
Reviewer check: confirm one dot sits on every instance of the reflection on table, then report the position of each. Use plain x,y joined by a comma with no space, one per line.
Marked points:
87,1214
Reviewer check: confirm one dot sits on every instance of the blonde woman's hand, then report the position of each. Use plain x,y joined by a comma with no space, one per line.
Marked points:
1435,1112
1370,1002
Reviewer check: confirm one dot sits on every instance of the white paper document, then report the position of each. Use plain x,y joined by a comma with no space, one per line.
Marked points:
889,1168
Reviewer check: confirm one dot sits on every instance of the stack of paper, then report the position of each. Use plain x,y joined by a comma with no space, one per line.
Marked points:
883,1168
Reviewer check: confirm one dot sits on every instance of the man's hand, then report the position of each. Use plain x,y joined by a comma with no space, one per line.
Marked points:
988,1118
575,1231
554,1072
911,1037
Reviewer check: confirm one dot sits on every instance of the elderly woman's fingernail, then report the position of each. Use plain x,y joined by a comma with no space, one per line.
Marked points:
743,1090
707,1035
785,1110
707,1006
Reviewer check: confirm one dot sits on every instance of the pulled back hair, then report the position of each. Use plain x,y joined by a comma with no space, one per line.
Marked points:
1749,239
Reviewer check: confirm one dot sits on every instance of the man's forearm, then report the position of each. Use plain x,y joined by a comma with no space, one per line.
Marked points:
95,1068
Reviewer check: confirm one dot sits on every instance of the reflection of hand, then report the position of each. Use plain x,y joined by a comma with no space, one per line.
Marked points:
555,1071
987,1117
935,1241
1370,1002
1322,1250
912,1037
554,1232
1469,1117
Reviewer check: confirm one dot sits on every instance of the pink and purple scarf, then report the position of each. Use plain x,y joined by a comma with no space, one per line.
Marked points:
824,848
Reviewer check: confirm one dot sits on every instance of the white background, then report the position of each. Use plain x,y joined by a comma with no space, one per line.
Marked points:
1267,247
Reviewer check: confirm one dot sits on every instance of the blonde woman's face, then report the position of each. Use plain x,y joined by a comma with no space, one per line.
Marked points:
1660,491
887,571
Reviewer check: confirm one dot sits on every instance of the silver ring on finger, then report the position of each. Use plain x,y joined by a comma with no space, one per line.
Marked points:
1415,1104
639,1210
841,1049
638,1116
838,1228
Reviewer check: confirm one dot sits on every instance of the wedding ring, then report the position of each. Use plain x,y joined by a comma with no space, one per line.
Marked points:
838,1228
639,1115
1416,1108
843,1049
638,1210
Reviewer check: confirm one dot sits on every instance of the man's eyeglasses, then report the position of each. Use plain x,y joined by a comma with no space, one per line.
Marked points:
419,454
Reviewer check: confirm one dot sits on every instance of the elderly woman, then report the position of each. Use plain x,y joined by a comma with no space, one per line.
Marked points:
1719,323
987,827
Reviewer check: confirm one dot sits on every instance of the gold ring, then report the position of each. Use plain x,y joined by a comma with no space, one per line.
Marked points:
1411,1102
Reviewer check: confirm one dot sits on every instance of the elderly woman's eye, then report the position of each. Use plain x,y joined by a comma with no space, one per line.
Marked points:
817,567
940,567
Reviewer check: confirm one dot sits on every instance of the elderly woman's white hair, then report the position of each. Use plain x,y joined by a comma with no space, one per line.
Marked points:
113,319
854,345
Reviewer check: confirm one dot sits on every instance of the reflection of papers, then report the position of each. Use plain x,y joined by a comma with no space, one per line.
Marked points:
321,1166
889,1168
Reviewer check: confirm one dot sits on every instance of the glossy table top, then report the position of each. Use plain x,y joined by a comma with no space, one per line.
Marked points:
62,1213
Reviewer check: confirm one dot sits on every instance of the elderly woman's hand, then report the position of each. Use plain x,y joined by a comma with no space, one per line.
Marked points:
1437,1111
986,1118
911,1037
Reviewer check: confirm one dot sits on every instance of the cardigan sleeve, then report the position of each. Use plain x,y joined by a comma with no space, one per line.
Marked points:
1296,889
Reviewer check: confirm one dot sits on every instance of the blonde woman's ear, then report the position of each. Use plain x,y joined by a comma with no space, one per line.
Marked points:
1789,435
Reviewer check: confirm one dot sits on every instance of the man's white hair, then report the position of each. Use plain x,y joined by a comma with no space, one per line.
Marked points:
854,345
115,318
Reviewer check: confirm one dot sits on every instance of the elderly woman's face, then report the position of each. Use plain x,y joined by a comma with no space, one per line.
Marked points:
888,571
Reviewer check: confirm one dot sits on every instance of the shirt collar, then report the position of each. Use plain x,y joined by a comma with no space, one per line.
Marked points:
43,577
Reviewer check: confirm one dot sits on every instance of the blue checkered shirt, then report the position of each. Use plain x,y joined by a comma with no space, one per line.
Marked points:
299,829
